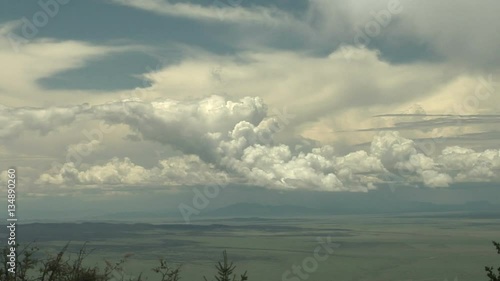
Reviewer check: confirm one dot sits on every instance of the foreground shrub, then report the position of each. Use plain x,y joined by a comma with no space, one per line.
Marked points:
61,267
489,269
225,270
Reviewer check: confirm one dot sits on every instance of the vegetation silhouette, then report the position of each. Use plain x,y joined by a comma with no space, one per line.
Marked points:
490,270
61,267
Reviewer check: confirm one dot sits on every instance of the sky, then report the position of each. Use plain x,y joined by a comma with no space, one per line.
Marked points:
116,105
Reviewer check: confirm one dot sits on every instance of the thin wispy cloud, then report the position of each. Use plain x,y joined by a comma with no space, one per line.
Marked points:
444,120
233,13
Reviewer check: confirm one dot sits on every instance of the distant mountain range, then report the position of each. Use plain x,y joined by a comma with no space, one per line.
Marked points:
259,210
340,207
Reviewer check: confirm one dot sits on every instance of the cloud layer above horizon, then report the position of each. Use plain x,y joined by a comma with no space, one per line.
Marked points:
222,141
310,95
